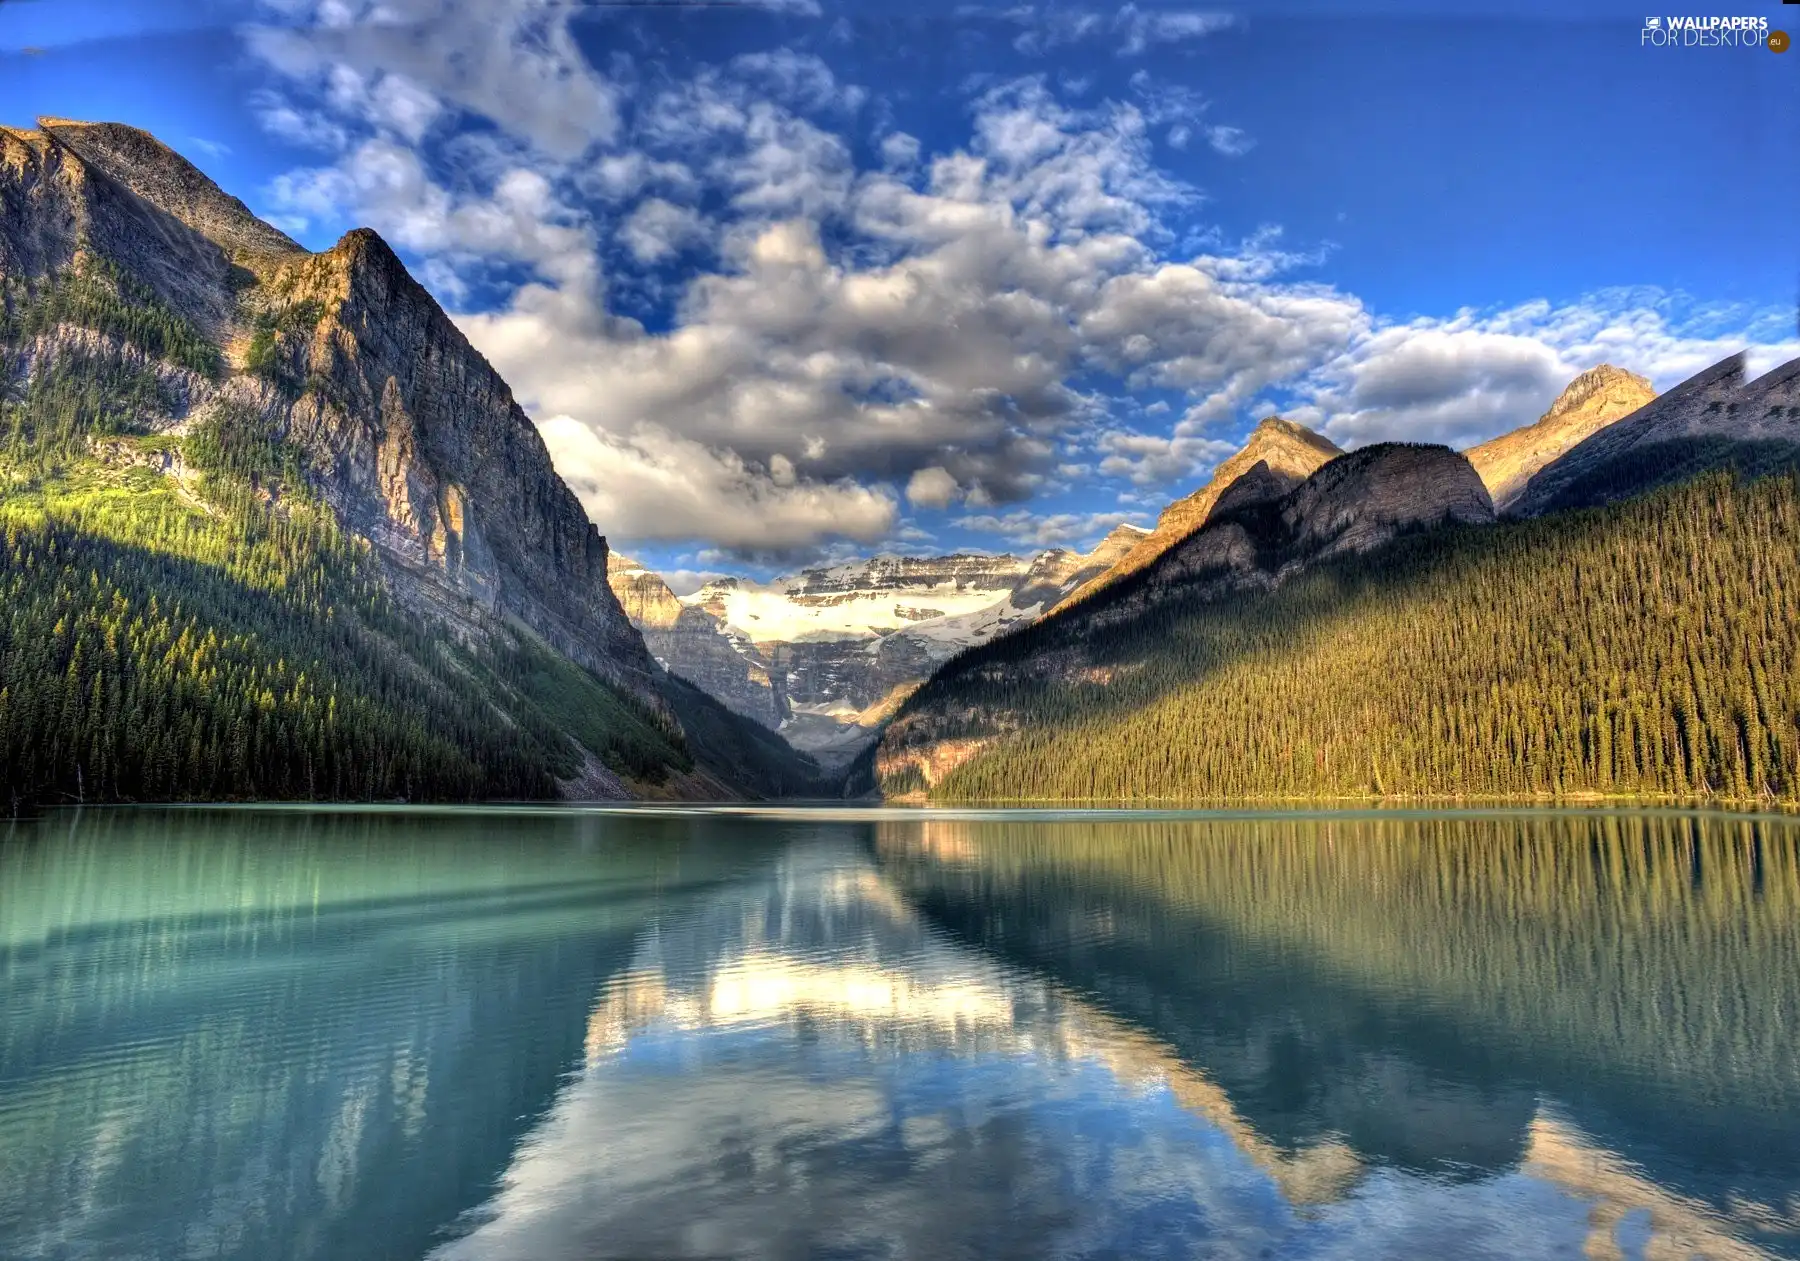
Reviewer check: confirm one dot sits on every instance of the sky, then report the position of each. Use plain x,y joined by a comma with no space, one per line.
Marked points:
803,280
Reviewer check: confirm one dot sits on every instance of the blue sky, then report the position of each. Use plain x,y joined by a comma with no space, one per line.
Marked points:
807,280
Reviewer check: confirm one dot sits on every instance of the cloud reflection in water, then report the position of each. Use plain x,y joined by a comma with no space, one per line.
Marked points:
804,1067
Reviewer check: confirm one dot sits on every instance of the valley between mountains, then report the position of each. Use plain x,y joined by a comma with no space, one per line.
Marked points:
273,529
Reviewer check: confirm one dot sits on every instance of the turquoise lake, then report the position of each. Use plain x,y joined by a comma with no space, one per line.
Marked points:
559,1034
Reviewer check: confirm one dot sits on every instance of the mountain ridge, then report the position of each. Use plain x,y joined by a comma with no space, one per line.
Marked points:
331,377
1332,640
1715,417
1286,447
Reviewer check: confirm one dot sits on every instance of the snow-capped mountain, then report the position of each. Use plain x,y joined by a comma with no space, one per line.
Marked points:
825,654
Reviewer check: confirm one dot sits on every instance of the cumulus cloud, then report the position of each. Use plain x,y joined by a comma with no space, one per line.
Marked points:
1080,530
669,487
1155,459
513,62
386,185
960,326
932,488
1469,377
659,230
683,581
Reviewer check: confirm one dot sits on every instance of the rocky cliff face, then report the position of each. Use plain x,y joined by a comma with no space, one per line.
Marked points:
1264,529
1285,448
1592,401
406,431
1712,419
644,596
692,642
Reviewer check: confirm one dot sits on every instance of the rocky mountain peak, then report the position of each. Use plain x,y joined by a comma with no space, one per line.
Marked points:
1597,398
1714,418
403,428
172,184
645,597
1289,450
1601,379
1363,499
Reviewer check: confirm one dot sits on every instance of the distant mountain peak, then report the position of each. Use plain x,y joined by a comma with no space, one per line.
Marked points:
1592,401
1600,377
1288,449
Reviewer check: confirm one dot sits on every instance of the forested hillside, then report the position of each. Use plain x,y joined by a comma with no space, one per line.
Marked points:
202,597
215,635
1648,648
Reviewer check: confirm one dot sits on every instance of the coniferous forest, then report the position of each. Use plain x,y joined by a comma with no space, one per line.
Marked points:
1648,649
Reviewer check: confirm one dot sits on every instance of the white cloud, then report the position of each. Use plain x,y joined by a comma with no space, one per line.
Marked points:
1142,28
962,324
386,185
1063,529
305,128
688,581
659,230
799,80
653,484
900,150
1153,459
513,62
932,488
1467,378
1233,142
1130,29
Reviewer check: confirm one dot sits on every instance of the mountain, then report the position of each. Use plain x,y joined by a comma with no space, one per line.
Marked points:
689,640
1262,531
1375,632
1592,401
191,398
1287,449
1713,419
825,655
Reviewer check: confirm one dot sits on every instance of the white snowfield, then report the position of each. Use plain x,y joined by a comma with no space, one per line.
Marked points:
868,600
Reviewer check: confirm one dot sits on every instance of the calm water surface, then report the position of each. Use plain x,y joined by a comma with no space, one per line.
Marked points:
550,1035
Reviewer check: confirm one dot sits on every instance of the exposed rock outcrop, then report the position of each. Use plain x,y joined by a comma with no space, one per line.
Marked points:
1592,401
406,430
1260,535
1362,500
1712,419
1259,485
1283,447
644,596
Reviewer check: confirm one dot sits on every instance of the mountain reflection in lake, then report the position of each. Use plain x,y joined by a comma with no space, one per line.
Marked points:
556,1034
